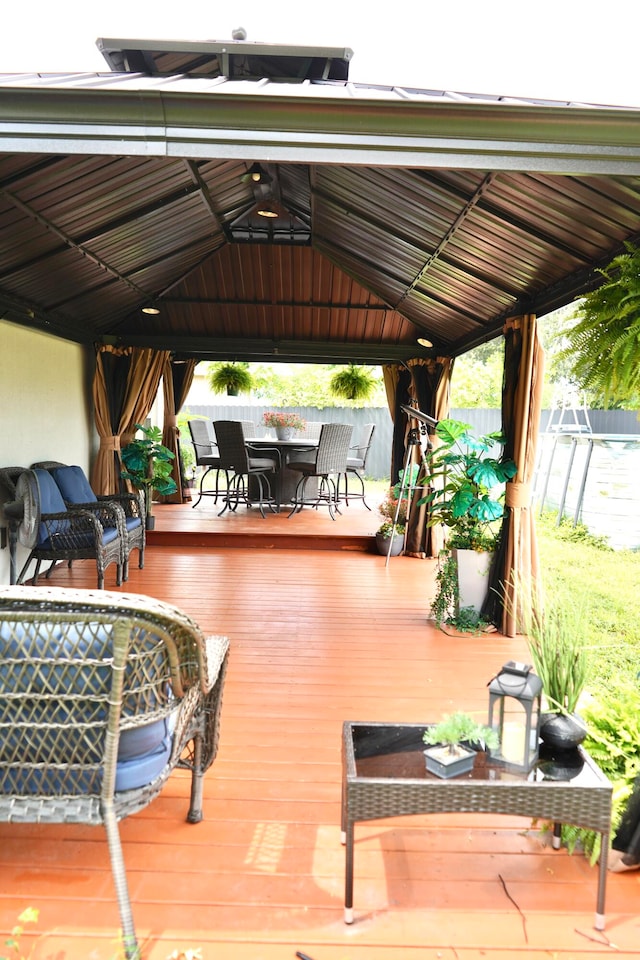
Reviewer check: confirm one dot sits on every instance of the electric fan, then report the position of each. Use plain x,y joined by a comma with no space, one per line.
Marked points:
22,513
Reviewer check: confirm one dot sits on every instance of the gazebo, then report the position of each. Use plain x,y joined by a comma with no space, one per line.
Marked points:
246,201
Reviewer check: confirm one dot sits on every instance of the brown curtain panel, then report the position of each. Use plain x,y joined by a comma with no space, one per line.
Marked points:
398,385
177,378
125,385
516,569
432,388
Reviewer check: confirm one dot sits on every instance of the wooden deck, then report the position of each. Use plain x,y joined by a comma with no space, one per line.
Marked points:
317,637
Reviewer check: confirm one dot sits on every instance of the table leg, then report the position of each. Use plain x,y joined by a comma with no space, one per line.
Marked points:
348,873
602,881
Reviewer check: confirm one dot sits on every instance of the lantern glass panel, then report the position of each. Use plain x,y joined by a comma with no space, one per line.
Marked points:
514,713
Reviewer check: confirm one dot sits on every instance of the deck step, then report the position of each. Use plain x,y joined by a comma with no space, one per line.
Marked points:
266,541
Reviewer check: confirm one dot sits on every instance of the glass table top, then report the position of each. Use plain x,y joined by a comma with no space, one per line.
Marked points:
395,752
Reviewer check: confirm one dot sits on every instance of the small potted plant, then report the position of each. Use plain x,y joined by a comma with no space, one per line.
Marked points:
230,378
394,522
148,466
465,480
284,424
450,743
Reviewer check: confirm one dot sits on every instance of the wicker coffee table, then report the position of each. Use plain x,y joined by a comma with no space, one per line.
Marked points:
384,775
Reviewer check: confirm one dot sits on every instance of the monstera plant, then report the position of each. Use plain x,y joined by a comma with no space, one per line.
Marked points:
465,482
148,466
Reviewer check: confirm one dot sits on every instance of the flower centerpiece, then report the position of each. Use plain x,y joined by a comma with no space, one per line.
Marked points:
283,423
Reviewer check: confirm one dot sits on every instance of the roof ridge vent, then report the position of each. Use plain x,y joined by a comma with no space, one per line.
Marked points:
236,59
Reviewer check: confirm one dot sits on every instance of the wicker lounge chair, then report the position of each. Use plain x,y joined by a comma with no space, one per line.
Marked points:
53,532
78,494
102,695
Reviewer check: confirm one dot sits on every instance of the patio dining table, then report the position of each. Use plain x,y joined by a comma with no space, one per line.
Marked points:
286,480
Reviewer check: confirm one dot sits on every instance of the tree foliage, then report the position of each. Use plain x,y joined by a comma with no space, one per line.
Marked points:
477,377
306,385
604,345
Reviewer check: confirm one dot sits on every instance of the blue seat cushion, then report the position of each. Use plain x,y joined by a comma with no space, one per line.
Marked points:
143,753
84,541
132,523
51,501
29,663
73,484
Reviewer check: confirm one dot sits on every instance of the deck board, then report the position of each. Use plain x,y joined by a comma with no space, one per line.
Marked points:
317,637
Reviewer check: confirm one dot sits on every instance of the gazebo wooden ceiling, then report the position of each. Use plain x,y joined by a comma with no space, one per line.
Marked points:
403,213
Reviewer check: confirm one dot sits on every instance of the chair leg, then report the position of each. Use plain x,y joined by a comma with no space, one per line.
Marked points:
20,579
346,487
200,491
197,782
332,496
361,495
129,941
298,497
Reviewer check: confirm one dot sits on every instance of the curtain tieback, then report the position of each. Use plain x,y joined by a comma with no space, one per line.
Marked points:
110,443
518,495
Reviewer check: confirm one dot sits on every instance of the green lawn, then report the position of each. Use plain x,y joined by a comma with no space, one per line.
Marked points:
604,582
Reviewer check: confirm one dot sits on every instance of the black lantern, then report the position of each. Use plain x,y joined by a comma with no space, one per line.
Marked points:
514,713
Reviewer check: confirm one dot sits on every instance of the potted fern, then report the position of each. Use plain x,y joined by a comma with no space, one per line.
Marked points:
230,378
352,383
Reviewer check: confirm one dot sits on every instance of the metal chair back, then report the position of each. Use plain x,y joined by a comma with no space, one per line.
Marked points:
361,449
203,440
231,445
333,448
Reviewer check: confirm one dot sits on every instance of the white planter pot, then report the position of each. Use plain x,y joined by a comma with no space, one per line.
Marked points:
473,577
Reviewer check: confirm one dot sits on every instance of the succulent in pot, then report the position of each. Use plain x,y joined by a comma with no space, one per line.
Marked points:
449,742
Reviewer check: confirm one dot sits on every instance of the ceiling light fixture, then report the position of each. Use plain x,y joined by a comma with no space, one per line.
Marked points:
267,210
424,342
257,174
152,311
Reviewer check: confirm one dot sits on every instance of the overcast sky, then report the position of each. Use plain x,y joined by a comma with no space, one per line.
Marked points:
555,49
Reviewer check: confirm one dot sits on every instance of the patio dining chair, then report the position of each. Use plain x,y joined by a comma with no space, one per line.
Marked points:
207,455
54,532
249,481
128,508
329,463
356,463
